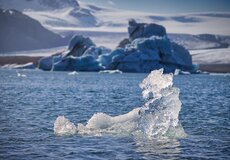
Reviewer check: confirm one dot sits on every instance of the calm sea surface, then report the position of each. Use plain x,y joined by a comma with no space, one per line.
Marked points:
29,106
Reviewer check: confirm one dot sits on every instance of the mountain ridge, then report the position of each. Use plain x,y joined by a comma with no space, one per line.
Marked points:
108,26
21,32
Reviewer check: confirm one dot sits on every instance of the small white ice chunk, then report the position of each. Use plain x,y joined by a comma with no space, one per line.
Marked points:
62,126
73,73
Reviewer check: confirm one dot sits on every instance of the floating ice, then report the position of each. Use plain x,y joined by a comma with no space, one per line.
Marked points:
21,75
102,120
158,117
73,73
63,126
161,110
154,83
111,71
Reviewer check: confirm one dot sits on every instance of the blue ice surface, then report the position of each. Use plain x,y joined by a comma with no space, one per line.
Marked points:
142,55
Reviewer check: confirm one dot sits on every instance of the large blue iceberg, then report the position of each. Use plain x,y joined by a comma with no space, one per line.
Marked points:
147,54
147,48
81,55
143,30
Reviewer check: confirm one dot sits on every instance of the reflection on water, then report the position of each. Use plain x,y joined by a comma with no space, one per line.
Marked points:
158,148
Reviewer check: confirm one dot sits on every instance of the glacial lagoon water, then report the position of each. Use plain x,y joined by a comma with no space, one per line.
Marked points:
31,100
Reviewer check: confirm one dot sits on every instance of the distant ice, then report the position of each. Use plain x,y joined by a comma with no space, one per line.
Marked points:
73,73
21,75
111,71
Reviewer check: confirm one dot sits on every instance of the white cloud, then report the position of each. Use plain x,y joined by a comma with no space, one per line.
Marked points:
111,3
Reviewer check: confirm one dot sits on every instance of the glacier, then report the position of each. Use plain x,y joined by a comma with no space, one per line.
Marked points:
148,48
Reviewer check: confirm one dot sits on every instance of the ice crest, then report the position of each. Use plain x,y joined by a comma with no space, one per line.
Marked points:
62,126
154,83
159,115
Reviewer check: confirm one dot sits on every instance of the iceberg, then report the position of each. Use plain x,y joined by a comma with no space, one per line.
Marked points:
158,117
106,59
143,30
46,63
78,45
81,55
84,63
147,54
148,48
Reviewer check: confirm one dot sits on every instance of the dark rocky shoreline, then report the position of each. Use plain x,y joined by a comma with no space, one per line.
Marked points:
19,60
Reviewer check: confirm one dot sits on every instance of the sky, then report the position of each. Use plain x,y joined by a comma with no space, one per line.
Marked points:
165,6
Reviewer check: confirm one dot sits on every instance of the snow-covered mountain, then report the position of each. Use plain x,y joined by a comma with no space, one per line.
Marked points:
68,15
211,56
38,5
21,32
108,26
53,13
201,41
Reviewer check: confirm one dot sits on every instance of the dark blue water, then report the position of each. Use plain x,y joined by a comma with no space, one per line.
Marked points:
29,106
